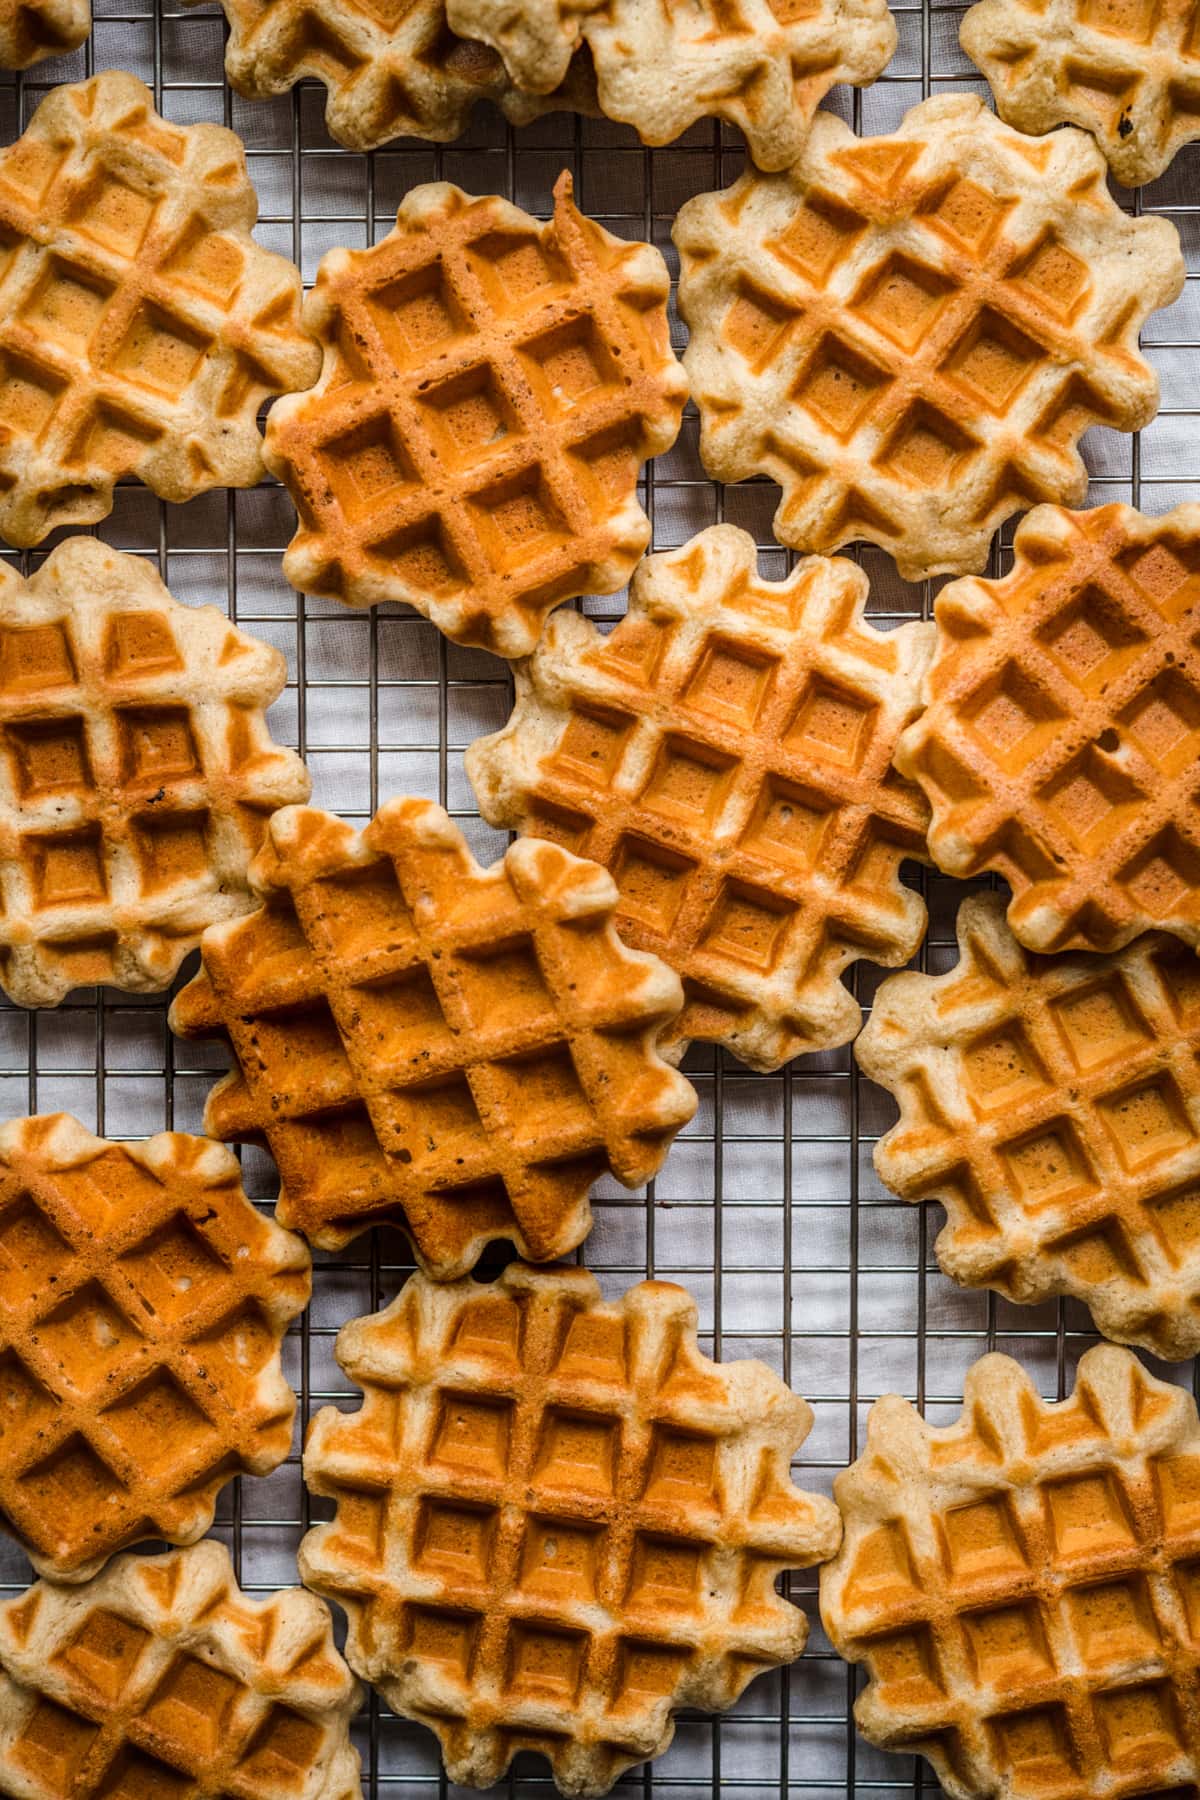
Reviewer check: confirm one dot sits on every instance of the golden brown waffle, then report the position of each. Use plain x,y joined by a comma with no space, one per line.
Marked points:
31,30
457,1050
1022,1586
1052,1105
136,773
909,333
143,1301
491,388
1059,745
389,71
161,1680
557,1522
141,327
1128,71
764,65
726,753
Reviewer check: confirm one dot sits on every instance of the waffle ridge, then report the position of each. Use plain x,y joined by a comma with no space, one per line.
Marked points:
1021,1586
726,753
136,773
1059,740
1052,1105
161,1678
1128,71
142,1308
31,30
490,389
141,327
762,65
909,333
556,1521
458,1050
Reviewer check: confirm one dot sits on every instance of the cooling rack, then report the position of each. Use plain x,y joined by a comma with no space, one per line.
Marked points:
768,1208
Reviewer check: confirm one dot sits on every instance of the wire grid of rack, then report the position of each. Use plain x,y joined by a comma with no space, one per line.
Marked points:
768,1209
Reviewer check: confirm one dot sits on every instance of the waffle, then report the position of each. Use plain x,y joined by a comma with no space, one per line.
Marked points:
31,30
1129,74
764,65
1060,741
162,1665
1022,1585
142,1306
457,1050
141,327
490,390
909,333
1052,1105
388,71
726,753
136,773
557,1522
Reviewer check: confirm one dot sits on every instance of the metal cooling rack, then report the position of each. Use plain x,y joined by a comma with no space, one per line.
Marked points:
768,1208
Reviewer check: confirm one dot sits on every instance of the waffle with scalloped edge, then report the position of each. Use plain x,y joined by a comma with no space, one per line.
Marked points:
31,30
490,390
557,1521
143,1302
1128,71
909,333
141,326
461,1051
727,754
161,1680
137,773
1059,740
1022,1587
763,65
1052,1106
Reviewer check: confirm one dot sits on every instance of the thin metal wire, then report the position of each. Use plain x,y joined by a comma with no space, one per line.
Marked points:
767,1209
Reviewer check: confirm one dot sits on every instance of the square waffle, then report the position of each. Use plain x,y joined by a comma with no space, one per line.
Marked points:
161,1680
556,1521
1128,71
909,333
136,773
763,65
1052,1105
1022,1586
1060,738
490,390
388,71
726,753
141,327
457,1050
31,30
143,1302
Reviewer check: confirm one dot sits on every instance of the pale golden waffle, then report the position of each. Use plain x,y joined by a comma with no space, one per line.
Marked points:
143,1302
141,327
456,1050
1059,744
726,753
1022,1587
136,773
161,1680
490,391
31,30
763,65
910,333
1128,71
557,1522
1052,1105
388,70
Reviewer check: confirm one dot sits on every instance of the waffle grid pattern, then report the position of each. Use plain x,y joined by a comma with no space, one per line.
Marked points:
31,30
556,1520
726,753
